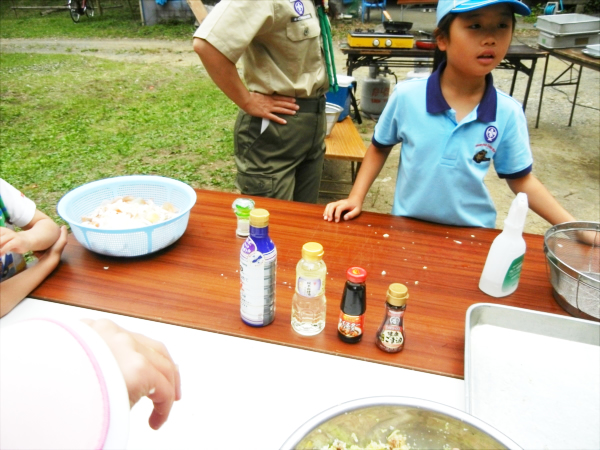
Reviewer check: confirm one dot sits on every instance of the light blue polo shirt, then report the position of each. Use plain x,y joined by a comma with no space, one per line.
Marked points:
442,163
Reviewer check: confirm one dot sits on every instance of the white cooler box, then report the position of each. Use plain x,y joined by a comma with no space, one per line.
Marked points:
568,40
568,30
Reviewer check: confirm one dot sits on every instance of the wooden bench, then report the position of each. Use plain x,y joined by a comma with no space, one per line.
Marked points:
345,144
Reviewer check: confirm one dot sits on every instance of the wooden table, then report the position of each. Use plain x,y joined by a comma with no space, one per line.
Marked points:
570,76
195,282
415,57
345,144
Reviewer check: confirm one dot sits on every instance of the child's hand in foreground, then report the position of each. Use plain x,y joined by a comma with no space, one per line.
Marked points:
146,365
335,210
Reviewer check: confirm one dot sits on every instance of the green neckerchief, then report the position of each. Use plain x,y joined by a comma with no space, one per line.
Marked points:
3,213
328,48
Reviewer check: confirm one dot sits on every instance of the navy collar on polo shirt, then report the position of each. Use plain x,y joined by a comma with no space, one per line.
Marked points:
436,103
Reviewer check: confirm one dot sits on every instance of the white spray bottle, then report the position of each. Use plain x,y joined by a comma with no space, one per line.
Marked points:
500,276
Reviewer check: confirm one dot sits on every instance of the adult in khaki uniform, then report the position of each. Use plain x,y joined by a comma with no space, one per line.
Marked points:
280,129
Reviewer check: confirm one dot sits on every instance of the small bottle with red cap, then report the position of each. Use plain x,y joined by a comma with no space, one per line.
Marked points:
353,306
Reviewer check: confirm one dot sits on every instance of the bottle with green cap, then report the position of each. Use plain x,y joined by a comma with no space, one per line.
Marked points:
258,269
309,304
390,335
241,208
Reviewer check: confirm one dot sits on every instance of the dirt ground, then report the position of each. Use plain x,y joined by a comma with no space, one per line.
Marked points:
566,159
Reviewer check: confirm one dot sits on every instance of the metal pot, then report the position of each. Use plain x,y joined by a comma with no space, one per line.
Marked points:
426,424
392,26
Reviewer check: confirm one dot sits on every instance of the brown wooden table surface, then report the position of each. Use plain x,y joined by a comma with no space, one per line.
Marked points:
195,282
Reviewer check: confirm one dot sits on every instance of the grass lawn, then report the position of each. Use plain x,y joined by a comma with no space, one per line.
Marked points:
67,120
114,23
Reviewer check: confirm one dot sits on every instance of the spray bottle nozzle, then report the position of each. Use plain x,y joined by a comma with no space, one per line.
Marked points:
517,212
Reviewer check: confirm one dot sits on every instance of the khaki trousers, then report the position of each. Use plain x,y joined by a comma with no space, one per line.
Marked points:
284,161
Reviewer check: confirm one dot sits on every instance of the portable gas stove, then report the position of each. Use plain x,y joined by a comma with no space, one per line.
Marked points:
372,38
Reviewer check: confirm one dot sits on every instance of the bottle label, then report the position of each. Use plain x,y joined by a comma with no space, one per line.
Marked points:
513,274
308,287
351,326
257,284
392,332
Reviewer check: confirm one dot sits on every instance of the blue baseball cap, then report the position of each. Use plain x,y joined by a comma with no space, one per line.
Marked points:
445,7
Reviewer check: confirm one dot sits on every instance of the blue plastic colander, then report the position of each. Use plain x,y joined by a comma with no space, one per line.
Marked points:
85,199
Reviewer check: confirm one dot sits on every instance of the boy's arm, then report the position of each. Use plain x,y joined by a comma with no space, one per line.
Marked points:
369,170
16,288
540,199
39,234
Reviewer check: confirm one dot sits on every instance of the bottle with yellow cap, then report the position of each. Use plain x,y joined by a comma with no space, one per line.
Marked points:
309,304
390,335
258,269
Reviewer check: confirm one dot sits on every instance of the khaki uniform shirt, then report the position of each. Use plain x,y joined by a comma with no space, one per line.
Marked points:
278,41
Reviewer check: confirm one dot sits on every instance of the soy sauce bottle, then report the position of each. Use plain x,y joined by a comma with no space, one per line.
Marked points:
390,335
353,306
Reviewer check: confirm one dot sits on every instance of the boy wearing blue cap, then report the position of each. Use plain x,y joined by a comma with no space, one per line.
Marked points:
452,125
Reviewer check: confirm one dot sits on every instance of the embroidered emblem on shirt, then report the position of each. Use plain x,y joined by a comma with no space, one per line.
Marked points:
481,156
491,133
299,7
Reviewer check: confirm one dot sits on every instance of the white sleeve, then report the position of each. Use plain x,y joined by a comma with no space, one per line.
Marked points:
60,387
19,208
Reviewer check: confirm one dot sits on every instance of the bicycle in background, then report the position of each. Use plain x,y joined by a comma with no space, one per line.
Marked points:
77,8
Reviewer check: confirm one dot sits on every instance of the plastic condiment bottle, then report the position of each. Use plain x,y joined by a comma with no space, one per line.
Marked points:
258,269
390,335
309,304
502,270
353,306
242,207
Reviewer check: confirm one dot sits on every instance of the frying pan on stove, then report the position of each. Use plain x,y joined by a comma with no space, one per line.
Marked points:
395,27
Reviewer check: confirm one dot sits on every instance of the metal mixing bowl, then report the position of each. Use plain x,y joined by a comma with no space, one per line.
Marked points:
573,261
426,424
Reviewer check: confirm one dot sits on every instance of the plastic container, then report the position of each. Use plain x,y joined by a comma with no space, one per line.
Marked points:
342,97
568,40
133,241
390,335
332,112
309,304
568,24
353,306
502,270
592,50
258,269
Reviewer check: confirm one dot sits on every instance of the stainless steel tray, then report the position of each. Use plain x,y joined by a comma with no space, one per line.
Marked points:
534,376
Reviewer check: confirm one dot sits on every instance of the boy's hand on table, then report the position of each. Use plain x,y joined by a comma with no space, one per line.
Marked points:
147,368
335,211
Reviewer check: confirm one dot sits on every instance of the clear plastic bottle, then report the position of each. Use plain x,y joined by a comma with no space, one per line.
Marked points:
502,270
258,269
390,335
309,304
